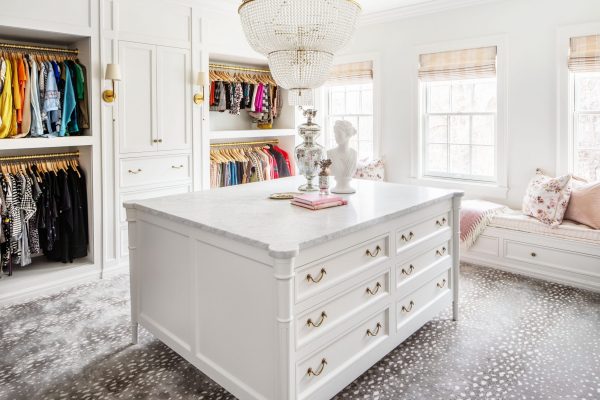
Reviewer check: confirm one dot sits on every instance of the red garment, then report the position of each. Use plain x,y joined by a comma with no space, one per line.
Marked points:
22,80
287,158
212,93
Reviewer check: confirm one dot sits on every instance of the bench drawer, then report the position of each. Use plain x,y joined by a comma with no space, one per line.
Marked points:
327,272
409,236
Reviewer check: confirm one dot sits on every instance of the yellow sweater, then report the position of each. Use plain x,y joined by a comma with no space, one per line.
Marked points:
6,103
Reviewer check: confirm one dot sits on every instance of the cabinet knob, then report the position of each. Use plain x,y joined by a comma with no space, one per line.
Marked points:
533,255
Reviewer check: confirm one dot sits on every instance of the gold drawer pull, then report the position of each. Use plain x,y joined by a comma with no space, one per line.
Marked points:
376,253
407,238
310,323
319,371
309,277
533,255
441,285
410,270
177,167
374,291
410,307
157,140
440,252
135,172
441,223
378,328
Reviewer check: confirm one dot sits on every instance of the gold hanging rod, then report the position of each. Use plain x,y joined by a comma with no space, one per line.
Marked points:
40,156
11,46
273,141
235,68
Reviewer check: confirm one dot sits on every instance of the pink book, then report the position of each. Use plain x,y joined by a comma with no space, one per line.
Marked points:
317,199
320,206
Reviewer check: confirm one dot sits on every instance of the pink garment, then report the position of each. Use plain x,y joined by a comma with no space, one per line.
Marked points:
258,102
475,216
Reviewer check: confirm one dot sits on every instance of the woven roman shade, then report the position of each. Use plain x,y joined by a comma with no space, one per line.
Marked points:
584,54
358,72
458,64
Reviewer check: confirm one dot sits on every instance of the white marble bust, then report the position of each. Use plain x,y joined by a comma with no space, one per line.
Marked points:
344,158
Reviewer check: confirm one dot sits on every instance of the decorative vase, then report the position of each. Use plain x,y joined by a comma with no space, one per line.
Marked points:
343,158
309,153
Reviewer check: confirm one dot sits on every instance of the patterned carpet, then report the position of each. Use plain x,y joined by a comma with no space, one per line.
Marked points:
519,338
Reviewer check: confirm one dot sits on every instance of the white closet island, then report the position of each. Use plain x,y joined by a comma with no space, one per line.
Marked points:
274,301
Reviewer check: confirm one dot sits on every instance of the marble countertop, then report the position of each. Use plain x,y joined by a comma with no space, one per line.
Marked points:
245,213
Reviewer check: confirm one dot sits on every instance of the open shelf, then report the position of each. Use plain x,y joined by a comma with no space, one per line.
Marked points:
44,143
250,133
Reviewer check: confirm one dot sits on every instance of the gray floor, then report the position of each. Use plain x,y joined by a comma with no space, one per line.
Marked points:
519,338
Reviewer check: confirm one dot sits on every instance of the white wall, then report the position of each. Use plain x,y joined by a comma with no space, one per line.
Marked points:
531,30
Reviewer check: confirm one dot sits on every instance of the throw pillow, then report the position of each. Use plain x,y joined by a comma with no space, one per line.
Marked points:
547,198
584,206
373,171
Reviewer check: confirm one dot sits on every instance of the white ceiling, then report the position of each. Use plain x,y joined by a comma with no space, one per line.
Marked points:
373,6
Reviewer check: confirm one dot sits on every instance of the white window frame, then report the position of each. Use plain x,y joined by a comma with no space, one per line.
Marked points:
565,122
499,187
321,98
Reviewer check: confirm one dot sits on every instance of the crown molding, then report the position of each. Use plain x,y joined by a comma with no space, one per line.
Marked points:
427,7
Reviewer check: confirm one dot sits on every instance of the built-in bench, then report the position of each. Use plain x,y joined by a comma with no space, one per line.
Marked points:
568,254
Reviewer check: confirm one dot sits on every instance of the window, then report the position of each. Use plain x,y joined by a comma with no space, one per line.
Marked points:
348,96
584,64
458,118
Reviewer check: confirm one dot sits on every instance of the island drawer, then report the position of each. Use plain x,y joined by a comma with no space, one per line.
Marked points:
323,318
418,301
316,370
411,235
152,170
330,271
417,266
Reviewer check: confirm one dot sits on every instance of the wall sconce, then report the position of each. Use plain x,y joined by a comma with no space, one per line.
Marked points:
113,73
201,81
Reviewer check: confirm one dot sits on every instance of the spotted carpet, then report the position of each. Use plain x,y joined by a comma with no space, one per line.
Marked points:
518,338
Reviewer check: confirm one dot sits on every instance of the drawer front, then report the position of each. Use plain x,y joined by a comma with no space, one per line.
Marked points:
410,236
149,194
547,257
319,368
324,318
417,301
410,270
152,170
329,271
486,245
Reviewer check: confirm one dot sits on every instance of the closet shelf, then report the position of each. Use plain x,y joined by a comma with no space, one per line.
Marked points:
45,143
251,133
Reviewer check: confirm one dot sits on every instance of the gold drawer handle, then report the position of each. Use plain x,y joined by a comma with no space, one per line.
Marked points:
533,255
319,371
378,328
410,307
440,252
309,277
408,238
409,272
310,323
157,140
441,223
135,172
374,291
376,253
441,285
177,167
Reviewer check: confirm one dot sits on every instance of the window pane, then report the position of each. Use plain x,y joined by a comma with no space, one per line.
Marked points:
587,92
587,164
588,131
483,162
367,101
483,129
460,130
365,128
462,96
437,158
438,129
353,121
484,97
459,159
338,101
439,97
352,100
365,150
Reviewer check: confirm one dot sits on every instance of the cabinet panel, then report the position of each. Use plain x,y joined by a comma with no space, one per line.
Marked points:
173,98
136,94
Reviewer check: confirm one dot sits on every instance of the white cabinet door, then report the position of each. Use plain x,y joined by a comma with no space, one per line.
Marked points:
136,97
174,98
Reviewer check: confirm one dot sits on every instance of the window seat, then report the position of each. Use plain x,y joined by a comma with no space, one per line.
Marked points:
568,254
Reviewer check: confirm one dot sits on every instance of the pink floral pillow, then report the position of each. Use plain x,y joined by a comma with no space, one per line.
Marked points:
373,171
547,198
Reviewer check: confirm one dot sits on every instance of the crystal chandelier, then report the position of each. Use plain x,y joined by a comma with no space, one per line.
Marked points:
299,38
